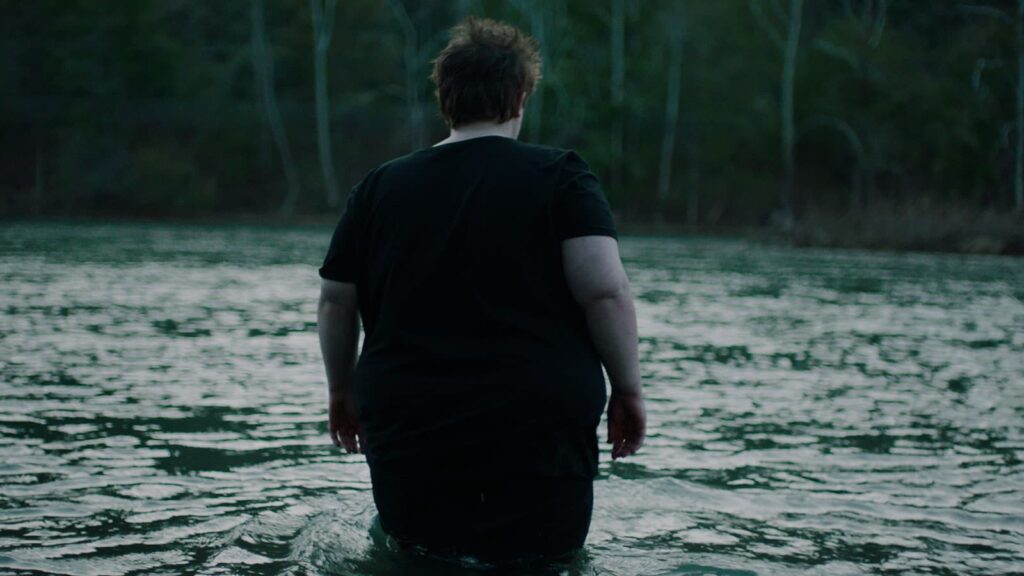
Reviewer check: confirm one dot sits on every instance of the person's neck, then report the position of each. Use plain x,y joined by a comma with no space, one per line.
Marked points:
468,131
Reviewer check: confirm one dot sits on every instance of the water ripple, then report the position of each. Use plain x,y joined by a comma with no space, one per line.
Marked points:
811,412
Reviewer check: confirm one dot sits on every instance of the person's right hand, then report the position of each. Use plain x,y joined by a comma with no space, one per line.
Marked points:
627,424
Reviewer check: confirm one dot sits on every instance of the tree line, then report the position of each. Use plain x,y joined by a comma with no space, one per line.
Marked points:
725,112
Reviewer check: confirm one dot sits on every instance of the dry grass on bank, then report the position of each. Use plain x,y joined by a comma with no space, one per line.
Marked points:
914,227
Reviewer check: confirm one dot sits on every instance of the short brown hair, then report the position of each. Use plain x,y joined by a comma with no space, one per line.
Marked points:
482,71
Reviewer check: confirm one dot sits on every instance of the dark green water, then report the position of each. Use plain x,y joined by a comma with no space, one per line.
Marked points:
811,412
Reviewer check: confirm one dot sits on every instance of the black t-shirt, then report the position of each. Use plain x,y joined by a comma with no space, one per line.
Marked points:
476,359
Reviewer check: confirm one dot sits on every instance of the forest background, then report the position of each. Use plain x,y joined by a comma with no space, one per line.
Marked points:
887,123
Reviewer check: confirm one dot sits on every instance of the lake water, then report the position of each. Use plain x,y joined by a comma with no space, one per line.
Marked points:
162,411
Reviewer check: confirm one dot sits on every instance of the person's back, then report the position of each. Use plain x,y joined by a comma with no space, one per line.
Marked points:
479,387
473,342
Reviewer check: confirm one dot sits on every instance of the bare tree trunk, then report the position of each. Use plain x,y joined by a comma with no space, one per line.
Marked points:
618,88
794,22
264,66
1018,169
412,87
39,189
668,140
862,172
878,26
544,15
693,200
537,107
323,28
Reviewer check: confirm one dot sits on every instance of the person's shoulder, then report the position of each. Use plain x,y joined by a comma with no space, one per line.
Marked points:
564,164
410,162
543,151
555,159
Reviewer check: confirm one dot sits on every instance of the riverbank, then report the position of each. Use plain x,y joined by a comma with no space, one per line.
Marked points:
897,228
913,229
890,229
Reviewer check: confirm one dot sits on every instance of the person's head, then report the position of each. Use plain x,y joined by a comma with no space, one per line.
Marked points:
485,73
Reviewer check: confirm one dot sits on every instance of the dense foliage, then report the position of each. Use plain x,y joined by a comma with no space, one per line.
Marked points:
156,107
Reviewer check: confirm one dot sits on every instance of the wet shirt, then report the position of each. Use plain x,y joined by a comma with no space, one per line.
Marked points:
475,360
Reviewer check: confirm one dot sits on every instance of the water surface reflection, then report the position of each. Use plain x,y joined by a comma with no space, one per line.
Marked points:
812,412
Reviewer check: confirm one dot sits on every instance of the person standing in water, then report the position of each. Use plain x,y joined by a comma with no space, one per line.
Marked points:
487,275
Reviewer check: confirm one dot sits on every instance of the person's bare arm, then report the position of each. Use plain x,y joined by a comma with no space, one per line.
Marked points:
599,285
338,328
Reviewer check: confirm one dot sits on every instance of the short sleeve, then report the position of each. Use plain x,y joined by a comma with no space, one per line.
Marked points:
580,207
345,256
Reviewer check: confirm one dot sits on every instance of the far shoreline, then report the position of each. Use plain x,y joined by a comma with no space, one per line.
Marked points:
1001,235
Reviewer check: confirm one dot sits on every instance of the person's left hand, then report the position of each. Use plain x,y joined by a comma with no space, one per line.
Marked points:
343,422
627,423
